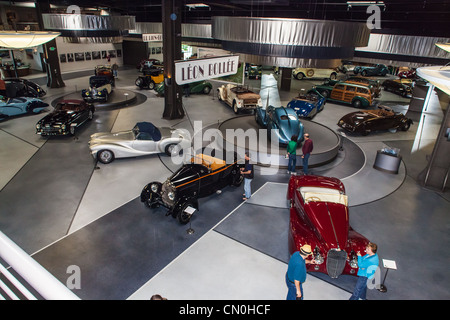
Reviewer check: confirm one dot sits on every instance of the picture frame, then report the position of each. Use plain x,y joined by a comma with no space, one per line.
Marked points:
62,58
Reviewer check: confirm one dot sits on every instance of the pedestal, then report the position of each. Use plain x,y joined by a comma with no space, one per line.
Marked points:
387,162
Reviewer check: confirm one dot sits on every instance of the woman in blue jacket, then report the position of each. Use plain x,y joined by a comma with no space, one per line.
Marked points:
367,264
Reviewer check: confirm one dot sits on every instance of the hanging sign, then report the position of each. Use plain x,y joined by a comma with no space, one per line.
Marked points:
152,37
201,69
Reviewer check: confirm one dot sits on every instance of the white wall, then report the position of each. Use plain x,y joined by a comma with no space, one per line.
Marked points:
65,48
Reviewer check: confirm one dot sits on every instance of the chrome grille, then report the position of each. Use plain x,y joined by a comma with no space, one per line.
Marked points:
336,262
166,188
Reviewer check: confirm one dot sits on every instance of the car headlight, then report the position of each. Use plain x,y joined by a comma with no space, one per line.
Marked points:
317,256
353,262
63,127
154,187
171,195
38,126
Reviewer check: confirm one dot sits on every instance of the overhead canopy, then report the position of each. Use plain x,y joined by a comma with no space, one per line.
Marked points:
25,39
149,128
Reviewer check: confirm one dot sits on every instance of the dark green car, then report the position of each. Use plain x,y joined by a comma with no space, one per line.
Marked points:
194,87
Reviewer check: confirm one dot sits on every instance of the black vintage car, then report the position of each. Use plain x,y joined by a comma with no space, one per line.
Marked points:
18,87
203,176
366,121
403,88
66,118
99,89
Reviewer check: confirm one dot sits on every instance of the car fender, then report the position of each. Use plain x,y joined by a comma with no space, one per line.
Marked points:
146,191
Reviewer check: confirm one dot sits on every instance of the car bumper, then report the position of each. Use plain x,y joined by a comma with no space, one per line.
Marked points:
52,132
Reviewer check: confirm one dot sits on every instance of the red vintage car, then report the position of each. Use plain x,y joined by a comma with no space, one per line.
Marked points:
319,217
407,74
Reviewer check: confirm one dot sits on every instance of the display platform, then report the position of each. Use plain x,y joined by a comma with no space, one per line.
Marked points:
326,142
117,98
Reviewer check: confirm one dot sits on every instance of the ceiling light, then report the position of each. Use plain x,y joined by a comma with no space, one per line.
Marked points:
25,39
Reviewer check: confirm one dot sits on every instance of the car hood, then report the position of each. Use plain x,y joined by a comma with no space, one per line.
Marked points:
330,221
108,137
183,176
57,117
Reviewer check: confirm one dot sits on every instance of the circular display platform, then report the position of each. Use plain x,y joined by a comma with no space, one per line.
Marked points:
239,131
117,98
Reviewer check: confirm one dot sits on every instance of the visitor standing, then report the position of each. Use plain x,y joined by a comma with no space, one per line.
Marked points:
292,154
307,148
247,172
367,265
296,272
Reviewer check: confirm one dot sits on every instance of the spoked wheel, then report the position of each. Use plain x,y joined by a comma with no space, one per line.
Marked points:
182,216
105,156
151,201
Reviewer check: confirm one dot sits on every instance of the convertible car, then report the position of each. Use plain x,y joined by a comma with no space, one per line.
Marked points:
239,97
194,87
203,176
67,116
366,121
376,70
254,72
312,73
106,71
18,87
10,107
99,89
319,216
283,120
143,139
308,105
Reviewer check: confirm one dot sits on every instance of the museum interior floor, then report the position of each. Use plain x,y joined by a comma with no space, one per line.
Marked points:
64,208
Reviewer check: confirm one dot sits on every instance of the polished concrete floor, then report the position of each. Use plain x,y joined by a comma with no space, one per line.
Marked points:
64,208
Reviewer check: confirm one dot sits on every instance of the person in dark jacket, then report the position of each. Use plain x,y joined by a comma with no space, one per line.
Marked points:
306,149
247,172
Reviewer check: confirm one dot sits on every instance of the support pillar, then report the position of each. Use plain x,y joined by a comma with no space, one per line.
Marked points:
286,76
171,22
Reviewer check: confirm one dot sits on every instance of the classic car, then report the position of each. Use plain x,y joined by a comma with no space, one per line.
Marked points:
357,95
407,74
107,71
307,105
254,72
239,97
346,66
194,87
398,86
319,216
374,85
366,121
203,176
149,64
143,139
284,120
67,116
99,89
18,87
376,70
313,73
150,78
10,107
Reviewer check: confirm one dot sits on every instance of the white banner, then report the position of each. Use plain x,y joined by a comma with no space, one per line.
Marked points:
201,69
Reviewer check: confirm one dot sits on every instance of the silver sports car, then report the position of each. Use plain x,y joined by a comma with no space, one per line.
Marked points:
143,139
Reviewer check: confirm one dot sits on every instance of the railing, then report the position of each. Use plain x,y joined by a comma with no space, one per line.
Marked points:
48,287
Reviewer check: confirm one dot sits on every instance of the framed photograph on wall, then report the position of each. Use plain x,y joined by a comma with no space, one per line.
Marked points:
79,56
70,57
103,54
112,53
119,53
96,55
87,55
62,58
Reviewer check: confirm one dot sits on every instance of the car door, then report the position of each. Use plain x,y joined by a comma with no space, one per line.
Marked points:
338,92
144,143
349,93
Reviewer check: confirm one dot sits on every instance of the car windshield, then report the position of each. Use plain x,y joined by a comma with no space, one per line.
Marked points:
68,107
288,117
317,194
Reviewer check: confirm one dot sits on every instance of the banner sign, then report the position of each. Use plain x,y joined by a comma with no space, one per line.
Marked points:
201,69
150,37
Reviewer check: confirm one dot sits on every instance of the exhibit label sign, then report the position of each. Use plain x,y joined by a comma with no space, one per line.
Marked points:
202,69
151,37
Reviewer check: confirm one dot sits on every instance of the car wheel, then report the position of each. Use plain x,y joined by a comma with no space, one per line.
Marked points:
139,82
72,130
206,90
405,126
356,103
364,73
173,149
333,76
105,156
218,95
151,201
299,76
182,216
237,179
325,93
151,85
90,115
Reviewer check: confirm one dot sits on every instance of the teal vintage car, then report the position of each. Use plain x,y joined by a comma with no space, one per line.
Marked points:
195,87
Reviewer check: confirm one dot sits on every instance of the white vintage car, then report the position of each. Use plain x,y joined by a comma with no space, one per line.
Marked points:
100,88
143,139
239,97
313,73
